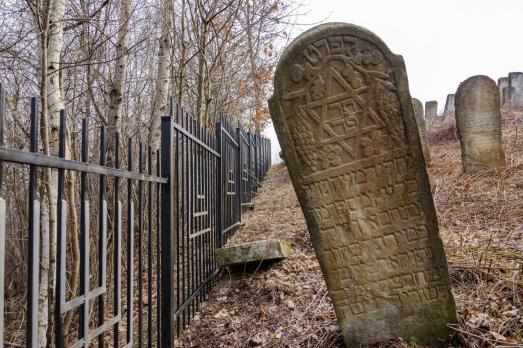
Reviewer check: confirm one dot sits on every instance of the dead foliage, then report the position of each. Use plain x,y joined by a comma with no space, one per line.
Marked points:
286,304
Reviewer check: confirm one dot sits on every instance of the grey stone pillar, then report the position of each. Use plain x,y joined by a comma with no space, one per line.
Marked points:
449,106
515,79
478,119
502,83
422,128
431,110
508,97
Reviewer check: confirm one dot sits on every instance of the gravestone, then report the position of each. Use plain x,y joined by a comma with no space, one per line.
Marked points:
508,97
422,128
431,110
449,106
478,119
344,117
502,83
515,79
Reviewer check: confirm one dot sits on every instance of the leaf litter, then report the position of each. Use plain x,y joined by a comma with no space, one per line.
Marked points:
286,304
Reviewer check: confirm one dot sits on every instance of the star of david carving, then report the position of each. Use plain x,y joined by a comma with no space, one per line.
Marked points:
340,118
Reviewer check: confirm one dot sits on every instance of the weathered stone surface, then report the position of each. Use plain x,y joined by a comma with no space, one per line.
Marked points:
508,97
515,79
449,106
431,110
344,117
422,128
502,83
478,119
261,250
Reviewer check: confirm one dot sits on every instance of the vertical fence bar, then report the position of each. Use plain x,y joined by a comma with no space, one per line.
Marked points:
102,235
2,143
179,243
2,217
186,224
130,245
158,254
167,249
33,238
239,173
208,222
219,184
117,242
249,168
149,249
61,238
84,241
198,209
191,212
140,247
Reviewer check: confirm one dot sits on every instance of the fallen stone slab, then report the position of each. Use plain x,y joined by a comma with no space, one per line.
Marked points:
258,251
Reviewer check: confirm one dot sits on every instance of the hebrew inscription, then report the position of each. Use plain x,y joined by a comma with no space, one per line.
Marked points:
344,118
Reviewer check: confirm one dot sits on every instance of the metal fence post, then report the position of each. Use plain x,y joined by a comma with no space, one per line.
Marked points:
239,175
33,240
219,194
249,167
167,235
2,216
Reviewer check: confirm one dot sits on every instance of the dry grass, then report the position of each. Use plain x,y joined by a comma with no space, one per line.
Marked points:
481,223
286,304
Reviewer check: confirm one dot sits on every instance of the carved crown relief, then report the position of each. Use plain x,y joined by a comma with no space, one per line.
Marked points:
343,103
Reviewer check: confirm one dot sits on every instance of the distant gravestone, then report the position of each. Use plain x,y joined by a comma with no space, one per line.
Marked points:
449,106
422,128
502,83
344,117
515,79
478,119
431,110
508,97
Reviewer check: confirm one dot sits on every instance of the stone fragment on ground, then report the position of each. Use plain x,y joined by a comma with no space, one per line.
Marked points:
253,252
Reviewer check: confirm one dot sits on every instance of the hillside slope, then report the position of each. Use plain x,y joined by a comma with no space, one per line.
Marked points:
286,304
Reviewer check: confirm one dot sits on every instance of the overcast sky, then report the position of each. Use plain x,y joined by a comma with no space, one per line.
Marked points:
443,42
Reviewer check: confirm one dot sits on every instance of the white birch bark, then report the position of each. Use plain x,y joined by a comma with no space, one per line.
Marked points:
117,90
161,95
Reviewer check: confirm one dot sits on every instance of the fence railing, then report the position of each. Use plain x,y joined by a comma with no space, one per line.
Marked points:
144,266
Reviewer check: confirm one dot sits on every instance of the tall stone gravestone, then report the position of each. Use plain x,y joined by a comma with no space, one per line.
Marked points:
502,83
431,110
508,97
478,119
515,79
449,106
344,117
422,128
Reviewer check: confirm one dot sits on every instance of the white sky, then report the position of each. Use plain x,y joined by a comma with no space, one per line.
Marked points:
443,42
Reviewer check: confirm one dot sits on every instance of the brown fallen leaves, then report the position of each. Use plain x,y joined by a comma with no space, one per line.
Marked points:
286,304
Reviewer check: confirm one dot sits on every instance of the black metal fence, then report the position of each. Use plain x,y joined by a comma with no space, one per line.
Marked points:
145,266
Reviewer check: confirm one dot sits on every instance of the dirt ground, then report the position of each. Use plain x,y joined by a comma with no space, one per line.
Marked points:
286,304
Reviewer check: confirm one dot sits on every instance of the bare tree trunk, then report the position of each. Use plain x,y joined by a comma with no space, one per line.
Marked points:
159,107
44,306
181,67
253,53
117,87
49,22
200,87
55,104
